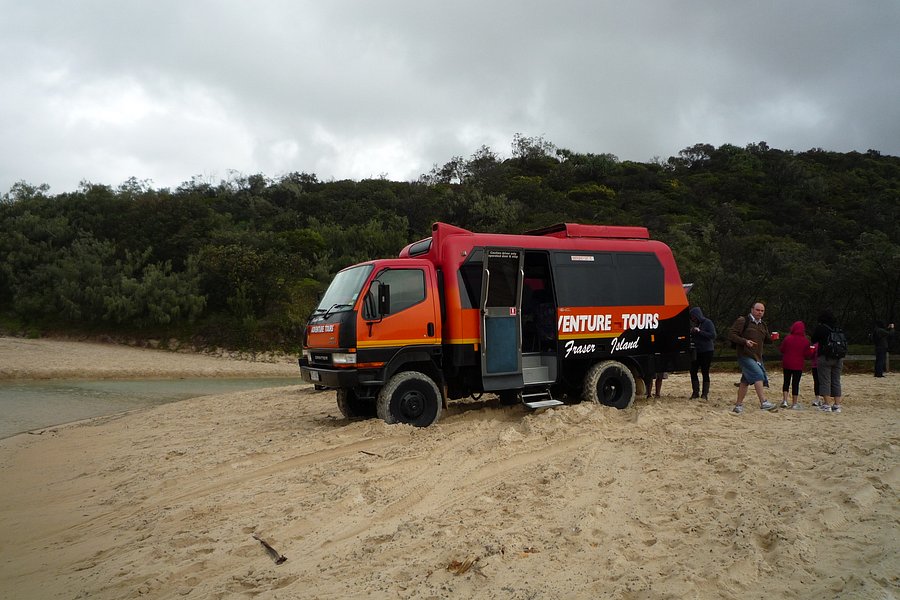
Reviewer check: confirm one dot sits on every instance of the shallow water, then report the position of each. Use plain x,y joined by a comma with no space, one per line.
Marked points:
30,405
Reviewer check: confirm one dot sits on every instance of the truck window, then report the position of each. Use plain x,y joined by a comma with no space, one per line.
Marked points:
641,279
503,287
469,276
344,289
585,279
609,279
407,287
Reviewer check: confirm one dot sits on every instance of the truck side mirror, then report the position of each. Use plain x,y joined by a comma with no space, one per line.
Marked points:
384,299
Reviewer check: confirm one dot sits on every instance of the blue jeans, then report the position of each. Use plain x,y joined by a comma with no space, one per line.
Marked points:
752,371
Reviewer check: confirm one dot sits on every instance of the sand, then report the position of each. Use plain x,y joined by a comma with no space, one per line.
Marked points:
672,498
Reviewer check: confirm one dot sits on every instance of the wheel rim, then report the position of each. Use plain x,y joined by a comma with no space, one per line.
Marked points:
412,404
610,390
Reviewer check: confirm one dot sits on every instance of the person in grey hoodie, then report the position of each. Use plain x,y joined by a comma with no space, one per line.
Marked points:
703,337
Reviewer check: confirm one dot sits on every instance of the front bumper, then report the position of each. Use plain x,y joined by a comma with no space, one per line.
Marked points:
330,378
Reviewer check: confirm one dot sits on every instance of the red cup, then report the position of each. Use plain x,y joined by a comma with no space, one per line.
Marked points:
775,336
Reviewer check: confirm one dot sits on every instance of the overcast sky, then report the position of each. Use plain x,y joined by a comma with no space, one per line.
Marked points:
169,90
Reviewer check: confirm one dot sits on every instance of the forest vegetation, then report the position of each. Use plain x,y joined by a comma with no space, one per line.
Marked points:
241,263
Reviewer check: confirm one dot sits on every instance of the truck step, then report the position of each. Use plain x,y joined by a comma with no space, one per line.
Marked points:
543,403
540,398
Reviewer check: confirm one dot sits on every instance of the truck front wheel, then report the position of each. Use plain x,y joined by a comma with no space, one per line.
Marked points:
410,397
610,383
353,407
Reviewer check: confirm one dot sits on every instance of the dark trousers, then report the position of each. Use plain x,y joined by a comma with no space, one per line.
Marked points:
815,374
701,364
880,362
792,381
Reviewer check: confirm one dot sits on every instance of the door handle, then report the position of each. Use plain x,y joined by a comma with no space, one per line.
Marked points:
430,330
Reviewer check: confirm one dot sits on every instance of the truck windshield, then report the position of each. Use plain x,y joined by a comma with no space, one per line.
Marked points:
344,290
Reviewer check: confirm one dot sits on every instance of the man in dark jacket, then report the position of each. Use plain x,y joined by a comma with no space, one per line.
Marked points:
881,336
748,334
703,336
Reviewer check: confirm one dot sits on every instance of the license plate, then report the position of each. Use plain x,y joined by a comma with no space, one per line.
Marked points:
315,376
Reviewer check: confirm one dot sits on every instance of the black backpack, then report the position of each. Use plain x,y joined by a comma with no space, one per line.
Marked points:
835,343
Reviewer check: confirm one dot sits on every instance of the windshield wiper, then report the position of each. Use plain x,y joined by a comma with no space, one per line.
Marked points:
334,306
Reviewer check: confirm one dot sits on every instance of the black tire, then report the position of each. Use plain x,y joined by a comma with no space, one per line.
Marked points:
610,383
410,397
353,407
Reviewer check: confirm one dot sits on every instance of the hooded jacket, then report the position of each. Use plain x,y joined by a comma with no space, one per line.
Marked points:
704,340
795,348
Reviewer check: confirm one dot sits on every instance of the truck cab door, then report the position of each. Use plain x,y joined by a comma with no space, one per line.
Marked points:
501,316
399,310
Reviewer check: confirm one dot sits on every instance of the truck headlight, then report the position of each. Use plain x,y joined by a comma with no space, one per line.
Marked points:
307,355
343,358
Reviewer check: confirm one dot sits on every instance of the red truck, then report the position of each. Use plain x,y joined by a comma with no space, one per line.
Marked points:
563,313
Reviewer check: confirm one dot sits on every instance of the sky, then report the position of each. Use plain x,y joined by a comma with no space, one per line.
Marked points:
174,91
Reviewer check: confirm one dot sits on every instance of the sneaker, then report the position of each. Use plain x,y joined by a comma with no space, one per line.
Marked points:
796,406
738,409
836,408
766,405
784,404
824,407
817,402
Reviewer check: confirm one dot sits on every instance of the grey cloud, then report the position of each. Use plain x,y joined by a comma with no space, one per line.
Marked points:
103,90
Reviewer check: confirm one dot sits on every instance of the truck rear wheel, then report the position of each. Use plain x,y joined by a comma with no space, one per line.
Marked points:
410,397
353,407
610,383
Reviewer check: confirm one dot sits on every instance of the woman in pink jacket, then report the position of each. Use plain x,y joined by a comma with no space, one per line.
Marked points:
795,349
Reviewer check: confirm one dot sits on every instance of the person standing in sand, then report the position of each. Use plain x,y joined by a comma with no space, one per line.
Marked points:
830,367
817,401
748,334
703,334
881,336
795,349
659,379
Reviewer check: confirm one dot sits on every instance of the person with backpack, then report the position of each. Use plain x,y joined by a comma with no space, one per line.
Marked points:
747,335
832,344
795,349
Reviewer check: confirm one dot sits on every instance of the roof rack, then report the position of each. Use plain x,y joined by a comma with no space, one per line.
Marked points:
577,230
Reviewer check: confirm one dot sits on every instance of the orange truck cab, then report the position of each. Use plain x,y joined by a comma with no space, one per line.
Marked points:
564,313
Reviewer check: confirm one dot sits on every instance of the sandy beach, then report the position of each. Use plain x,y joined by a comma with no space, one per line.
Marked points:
672,498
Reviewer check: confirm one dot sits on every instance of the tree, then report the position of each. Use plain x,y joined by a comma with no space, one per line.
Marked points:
869,274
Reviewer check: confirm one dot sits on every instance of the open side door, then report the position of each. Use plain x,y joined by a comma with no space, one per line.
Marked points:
501,318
